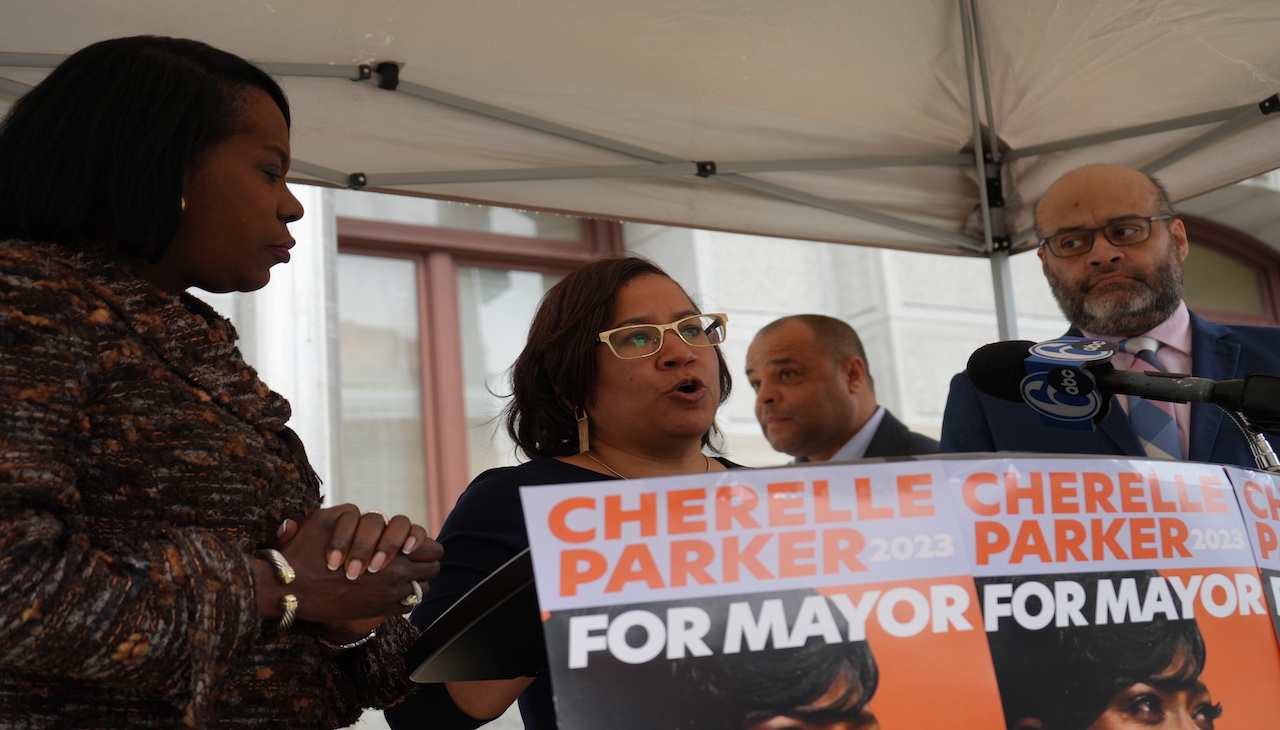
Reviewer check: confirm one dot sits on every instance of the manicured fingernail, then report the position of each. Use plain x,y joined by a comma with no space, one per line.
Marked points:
409,545
379,560
335,559
353,569
281,530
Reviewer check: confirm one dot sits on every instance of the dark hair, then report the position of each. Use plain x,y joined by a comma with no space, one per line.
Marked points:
1164,204
736,691
835,336
101,146
556,371
1065,677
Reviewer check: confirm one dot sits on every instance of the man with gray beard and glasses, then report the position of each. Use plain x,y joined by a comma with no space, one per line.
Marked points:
1112,249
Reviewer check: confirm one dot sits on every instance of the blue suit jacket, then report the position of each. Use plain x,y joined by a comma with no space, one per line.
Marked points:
977,422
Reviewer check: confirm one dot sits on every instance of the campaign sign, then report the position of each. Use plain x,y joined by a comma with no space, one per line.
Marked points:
1259,494
1046,515
978,593
761,598
1117,590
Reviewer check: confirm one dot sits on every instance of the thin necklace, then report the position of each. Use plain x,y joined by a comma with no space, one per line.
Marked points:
616,474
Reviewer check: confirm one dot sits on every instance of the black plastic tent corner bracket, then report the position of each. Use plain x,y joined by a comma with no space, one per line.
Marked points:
390,72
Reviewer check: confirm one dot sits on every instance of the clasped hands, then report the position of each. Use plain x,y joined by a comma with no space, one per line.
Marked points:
352,570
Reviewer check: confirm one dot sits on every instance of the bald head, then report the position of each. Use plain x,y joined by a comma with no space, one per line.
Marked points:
833,336
1072,190
813,390
1103,288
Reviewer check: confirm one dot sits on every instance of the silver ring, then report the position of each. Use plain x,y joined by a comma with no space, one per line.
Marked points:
414,598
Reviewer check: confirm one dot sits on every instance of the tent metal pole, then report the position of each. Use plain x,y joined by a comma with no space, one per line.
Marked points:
530,122
1002,287
320,172
595,172
13,88
1021,237
654,169
669,165
1001,274
662,164
321,70
1140,130
854,211
31,60
1235,118
1249,115
979,162
842,163
317,70
993,143
595,140
1006,324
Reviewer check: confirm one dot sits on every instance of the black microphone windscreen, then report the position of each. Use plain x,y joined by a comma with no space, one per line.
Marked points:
997,370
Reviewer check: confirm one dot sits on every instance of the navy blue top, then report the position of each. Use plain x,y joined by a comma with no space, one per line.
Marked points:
484,531
976,422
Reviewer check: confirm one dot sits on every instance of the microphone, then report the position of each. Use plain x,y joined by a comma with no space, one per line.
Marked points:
999,368
1002,370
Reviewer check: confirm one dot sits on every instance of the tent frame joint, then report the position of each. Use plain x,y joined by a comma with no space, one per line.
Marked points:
389,71
1269,105
705,169
357,180
995,188
364,71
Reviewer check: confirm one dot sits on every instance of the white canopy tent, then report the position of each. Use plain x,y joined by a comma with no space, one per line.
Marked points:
850,121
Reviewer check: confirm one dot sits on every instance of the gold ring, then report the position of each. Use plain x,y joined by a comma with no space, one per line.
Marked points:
414,598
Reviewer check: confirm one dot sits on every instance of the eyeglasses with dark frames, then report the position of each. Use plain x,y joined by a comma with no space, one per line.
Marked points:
1122,232
635,341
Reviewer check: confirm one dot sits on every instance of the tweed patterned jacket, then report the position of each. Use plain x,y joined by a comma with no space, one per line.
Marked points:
141,464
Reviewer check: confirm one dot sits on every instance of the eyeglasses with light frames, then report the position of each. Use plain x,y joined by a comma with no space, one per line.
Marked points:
1121,232
642,340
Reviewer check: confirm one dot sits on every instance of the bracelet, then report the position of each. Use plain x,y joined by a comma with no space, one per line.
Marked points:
284,571
351,645
288,611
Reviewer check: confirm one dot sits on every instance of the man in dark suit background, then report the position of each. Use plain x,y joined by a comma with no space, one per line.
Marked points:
815,397
1112,250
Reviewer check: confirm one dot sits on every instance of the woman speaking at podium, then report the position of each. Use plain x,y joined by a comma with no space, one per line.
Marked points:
620,378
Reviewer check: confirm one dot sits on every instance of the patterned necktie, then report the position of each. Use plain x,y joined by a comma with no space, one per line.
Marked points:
1153,421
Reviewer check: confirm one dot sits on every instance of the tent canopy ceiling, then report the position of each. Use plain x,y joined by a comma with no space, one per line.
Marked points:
605,108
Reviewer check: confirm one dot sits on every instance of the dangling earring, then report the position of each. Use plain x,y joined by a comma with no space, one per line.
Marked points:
584,438
715,427
182,203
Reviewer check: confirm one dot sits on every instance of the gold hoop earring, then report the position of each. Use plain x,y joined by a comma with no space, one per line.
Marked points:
715,427
182,203
584,438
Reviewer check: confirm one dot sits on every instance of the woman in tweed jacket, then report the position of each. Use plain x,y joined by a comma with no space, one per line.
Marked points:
145,471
